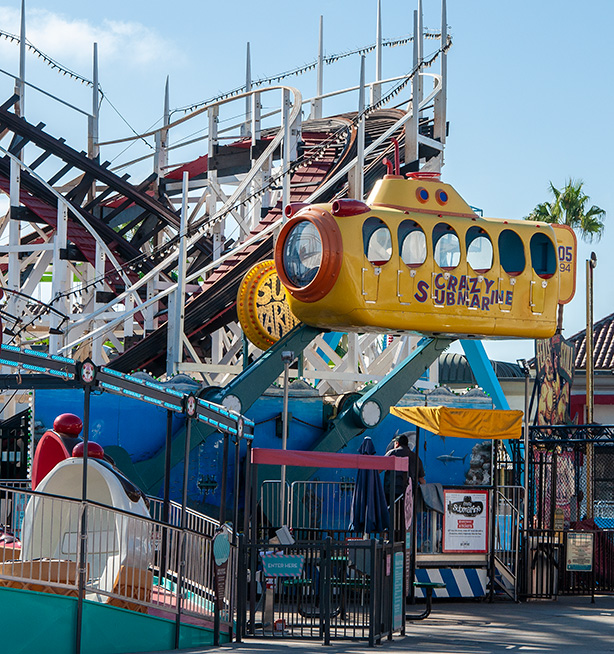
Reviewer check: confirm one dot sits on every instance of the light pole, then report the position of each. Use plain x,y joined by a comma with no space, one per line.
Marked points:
287,356
590,390
524,367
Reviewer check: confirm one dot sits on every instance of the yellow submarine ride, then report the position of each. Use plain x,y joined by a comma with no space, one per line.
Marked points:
416,257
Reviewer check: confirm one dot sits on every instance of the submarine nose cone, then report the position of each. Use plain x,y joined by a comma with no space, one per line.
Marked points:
68,423
94,450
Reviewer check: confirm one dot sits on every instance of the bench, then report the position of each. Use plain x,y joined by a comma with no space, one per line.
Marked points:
428,587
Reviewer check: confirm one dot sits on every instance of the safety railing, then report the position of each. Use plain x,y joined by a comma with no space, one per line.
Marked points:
323,508
326,589
315,507
569,562
195,521
322,505
507,519
131,561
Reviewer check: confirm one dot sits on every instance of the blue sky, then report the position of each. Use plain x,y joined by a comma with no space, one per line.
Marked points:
530,85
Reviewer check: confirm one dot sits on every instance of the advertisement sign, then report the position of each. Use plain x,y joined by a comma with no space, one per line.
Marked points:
465,521
579,551
555,364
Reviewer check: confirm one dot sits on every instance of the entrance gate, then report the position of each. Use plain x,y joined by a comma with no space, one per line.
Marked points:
15,440
318,582
569,539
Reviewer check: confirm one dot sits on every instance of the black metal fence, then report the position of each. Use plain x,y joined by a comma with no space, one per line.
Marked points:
14,444
568,545
551,569
353,589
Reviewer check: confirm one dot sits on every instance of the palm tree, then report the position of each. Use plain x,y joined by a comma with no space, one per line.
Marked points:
569,207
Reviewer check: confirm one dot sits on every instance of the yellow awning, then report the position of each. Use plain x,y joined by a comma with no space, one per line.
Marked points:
464,423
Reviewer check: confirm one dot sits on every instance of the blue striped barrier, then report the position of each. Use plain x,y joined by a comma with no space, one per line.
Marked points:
460,582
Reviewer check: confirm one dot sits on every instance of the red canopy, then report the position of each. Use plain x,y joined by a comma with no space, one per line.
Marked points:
302,459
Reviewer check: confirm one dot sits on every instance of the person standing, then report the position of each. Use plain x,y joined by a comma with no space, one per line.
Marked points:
400,447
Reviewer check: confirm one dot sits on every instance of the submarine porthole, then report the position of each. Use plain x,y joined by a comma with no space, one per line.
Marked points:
511,252
302,255
446,251
413,244
543,256
377,241
379,249
479,250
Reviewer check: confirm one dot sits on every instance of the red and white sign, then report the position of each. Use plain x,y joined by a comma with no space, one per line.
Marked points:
465,521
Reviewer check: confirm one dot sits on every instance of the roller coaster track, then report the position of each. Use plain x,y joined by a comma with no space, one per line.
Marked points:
215,305
41,204
138,227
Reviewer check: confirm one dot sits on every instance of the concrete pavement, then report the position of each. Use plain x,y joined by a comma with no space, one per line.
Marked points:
568,624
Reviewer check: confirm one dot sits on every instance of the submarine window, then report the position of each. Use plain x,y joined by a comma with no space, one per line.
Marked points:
377,241
479,249
302,255
511,252
413,244
446,246
543,255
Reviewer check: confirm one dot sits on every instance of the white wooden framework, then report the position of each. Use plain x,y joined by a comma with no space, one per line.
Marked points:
85,315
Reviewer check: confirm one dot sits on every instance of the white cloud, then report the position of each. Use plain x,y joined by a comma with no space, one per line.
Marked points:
70,40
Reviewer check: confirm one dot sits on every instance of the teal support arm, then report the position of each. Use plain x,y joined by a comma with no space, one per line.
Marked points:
484,372
372,407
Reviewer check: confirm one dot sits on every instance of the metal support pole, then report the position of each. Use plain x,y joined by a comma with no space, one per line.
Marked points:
411,126
248,488
328,552
235,513
360,136
93,122
285,165
287,357
590,390
176,321
492,525
161,139
441,99
93,152
182,545
245,128
222,519
256,202
376,89
372,594
186,469
14,271
166,492
525,429
526,445
414,523
253,558
83,526
392,497
60,283
316,103
20,86
241,590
